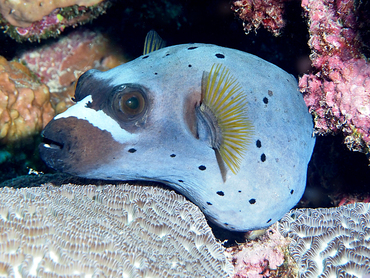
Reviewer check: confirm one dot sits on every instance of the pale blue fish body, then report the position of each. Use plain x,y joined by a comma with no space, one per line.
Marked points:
169,144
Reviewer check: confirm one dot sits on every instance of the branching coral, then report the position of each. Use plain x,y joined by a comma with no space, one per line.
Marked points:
116,231
25,106
332,242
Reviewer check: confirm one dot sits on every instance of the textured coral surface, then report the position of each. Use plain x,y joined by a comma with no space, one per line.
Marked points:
262,257
253,13
23,13
110,231
25,106
332,242
337,92
60,64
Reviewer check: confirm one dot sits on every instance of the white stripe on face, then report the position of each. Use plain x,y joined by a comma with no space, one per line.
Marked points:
98,119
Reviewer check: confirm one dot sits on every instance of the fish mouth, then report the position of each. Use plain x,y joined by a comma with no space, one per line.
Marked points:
75,146
48,143
54,145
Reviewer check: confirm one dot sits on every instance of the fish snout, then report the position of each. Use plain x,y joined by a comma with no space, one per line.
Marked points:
75,146
54,144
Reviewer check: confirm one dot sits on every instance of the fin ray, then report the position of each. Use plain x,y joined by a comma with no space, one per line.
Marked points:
224,98
153,42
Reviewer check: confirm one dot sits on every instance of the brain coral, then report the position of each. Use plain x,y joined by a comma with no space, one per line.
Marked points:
116,231
333,242
25,106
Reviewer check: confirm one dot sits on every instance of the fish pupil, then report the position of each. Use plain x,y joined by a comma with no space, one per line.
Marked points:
132,103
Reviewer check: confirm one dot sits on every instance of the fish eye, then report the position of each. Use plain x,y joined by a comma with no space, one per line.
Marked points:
128,102
132,103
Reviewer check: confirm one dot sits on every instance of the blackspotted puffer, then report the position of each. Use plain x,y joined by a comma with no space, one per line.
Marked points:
225,128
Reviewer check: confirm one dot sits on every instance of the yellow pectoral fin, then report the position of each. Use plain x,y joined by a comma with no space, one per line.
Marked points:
222,96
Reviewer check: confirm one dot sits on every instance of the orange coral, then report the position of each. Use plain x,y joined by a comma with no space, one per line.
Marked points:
23,13
25,106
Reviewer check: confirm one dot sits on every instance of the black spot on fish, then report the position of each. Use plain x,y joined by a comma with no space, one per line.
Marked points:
220,56
239,191
168,54
269,220
202,167
172,155
265,100
208,203
252,201
291,191
146,56
258,144
226,224
263,157
189,66
221,193
192,47
181,181
132,150
156,73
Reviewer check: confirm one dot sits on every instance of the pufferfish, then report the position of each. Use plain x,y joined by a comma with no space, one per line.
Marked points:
225,128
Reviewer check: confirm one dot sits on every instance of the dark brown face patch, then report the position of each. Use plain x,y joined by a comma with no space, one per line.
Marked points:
78,146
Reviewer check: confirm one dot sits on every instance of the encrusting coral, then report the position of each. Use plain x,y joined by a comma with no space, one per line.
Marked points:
337,91
268,13
265,256
116,231
333,242
25,106
61,63
22,14
37,19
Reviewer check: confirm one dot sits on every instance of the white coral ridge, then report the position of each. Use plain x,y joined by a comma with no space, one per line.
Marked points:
111,231
332,242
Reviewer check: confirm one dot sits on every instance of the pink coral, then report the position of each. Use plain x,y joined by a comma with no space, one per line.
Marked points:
263,257
52,24
24,13
269,13
60,64
35,19
338,92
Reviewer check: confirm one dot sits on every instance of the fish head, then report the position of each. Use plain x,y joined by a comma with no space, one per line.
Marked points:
132,124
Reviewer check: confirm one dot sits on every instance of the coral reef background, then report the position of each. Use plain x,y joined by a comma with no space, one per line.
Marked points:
278,31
